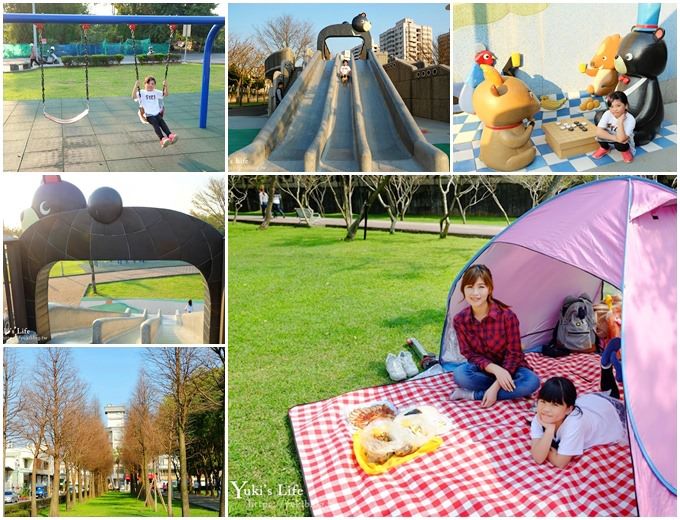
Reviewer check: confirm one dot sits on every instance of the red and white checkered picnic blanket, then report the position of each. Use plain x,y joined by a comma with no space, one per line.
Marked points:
484,466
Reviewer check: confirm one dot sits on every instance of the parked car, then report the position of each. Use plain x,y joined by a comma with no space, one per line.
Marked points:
11,497
40,491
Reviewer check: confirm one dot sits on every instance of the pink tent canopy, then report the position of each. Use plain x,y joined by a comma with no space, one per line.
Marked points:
621,231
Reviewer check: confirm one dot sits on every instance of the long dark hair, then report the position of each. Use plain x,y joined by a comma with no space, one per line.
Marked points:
559,390
475,272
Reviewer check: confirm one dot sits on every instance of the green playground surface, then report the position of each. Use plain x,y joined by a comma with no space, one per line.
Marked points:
117,80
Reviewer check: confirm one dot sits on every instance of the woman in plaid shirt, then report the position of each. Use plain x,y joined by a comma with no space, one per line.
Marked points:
488,336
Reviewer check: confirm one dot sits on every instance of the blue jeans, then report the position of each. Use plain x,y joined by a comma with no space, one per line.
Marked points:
471,377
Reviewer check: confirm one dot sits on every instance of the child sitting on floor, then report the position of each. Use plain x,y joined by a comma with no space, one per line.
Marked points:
616,128
565,426
151,108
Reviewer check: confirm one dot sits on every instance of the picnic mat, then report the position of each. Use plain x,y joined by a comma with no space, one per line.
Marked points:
483,468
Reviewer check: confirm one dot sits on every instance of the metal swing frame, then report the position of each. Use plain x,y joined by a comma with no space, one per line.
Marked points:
217,23
84,27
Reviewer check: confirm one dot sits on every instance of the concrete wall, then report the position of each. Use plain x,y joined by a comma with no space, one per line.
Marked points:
425,91
106,329
64,317
149,328
553,38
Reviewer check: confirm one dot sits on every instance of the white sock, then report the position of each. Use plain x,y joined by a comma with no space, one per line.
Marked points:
462,393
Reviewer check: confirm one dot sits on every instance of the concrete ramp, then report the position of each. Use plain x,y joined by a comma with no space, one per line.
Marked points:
322,125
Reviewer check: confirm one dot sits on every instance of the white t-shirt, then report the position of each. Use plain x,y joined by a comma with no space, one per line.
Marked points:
599,424
345,70
151,101
610,124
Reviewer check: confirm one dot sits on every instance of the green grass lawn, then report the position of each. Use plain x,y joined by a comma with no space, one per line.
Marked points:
69,268
171,287
116,80
123,504
311,317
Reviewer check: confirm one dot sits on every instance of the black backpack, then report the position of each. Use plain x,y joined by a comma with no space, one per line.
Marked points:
575,329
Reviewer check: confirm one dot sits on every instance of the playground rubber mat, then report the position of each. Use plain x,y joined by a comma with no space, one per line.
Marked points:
467,131
111,137
483,468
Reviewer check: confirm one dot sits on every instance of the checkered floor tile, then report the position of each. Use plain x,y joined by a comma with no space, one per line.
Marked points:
483,468
467,131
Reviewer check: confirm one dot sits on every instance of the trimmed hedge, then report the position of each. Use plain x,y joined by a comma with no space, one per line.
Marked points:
157,58
95,60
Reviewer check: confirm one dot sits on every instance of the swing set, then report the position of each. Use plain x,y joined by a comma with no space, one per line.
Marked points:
85,22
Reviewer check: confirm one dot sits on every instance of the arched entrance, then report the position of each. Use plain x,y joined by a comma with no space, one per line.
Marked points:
341,30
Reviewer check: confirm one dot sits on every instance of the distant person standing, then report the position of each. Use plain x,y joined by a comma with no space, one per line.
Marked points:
34,57
276,205
264,200
189,307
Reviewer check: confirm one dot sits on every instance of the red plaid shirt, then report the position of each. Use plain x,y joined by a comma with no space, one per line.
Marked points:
493,340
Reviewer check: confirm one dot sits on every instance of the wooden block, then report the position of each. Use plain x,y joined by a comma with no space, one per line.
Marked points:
567,143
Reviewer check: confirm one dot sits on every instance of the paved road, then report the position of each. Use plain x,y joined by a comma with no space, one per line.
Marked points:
408,227
69,290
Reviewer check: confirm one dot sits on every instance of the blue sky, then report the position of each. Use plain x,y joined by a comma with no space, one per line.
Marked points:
242,19
111,373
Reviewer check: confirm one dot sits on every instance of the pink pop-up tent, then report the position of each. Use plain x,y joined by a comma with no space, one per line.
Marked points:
621,231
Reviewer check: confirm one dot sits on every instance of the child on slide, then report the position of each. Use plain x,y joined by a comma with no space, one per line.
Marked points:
345,72
151,104
565,426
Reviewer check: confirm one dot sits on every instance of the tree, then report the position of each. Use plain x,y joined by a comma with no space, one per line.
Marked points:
58,381
285,31
467,192
209,204
397,194
375,193
237,192
538,186
33,420
491,182
244,61
303,188
13,400
270,183
55,33
174,369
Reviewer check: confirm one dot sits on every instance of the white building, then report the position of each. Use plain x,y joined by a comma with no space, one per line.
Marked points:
356,51
18,467
408,41
115,426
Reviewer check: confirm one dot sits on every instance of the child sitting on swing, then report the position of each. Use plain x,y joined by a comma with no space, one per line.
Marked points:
151,107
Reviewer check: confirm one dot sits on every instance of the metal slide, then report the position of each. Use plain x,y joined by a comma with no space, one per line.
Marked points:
337,124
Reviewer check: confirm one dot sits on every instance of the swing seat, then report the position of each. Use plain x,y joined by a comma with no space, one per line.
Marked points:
142,117
62,121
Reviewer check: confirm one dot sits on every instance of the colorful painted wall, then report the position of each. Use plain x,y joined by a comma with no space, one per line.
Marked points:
553,39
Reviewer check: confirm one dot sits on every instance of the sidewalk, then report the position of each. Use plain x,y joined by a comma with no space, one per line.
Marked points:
463,230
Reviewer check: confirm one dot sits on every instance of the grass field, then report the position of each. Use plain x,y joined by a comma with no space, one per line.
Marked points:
123,504
181,287
69,268
311,317
118,80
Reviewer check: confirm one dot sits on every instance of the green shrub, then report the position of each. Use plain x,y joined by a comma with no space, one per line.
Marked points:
157,58
94,60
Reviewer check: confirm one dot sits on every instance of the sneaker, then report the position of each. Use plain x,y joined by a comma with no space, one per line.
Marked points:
462,393
600,153
394,368
627,156
165,142
406,361
173,138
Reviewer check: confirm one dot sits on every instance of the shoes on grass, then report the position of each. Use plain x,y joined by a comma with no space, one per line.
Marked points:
407,363
394,368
